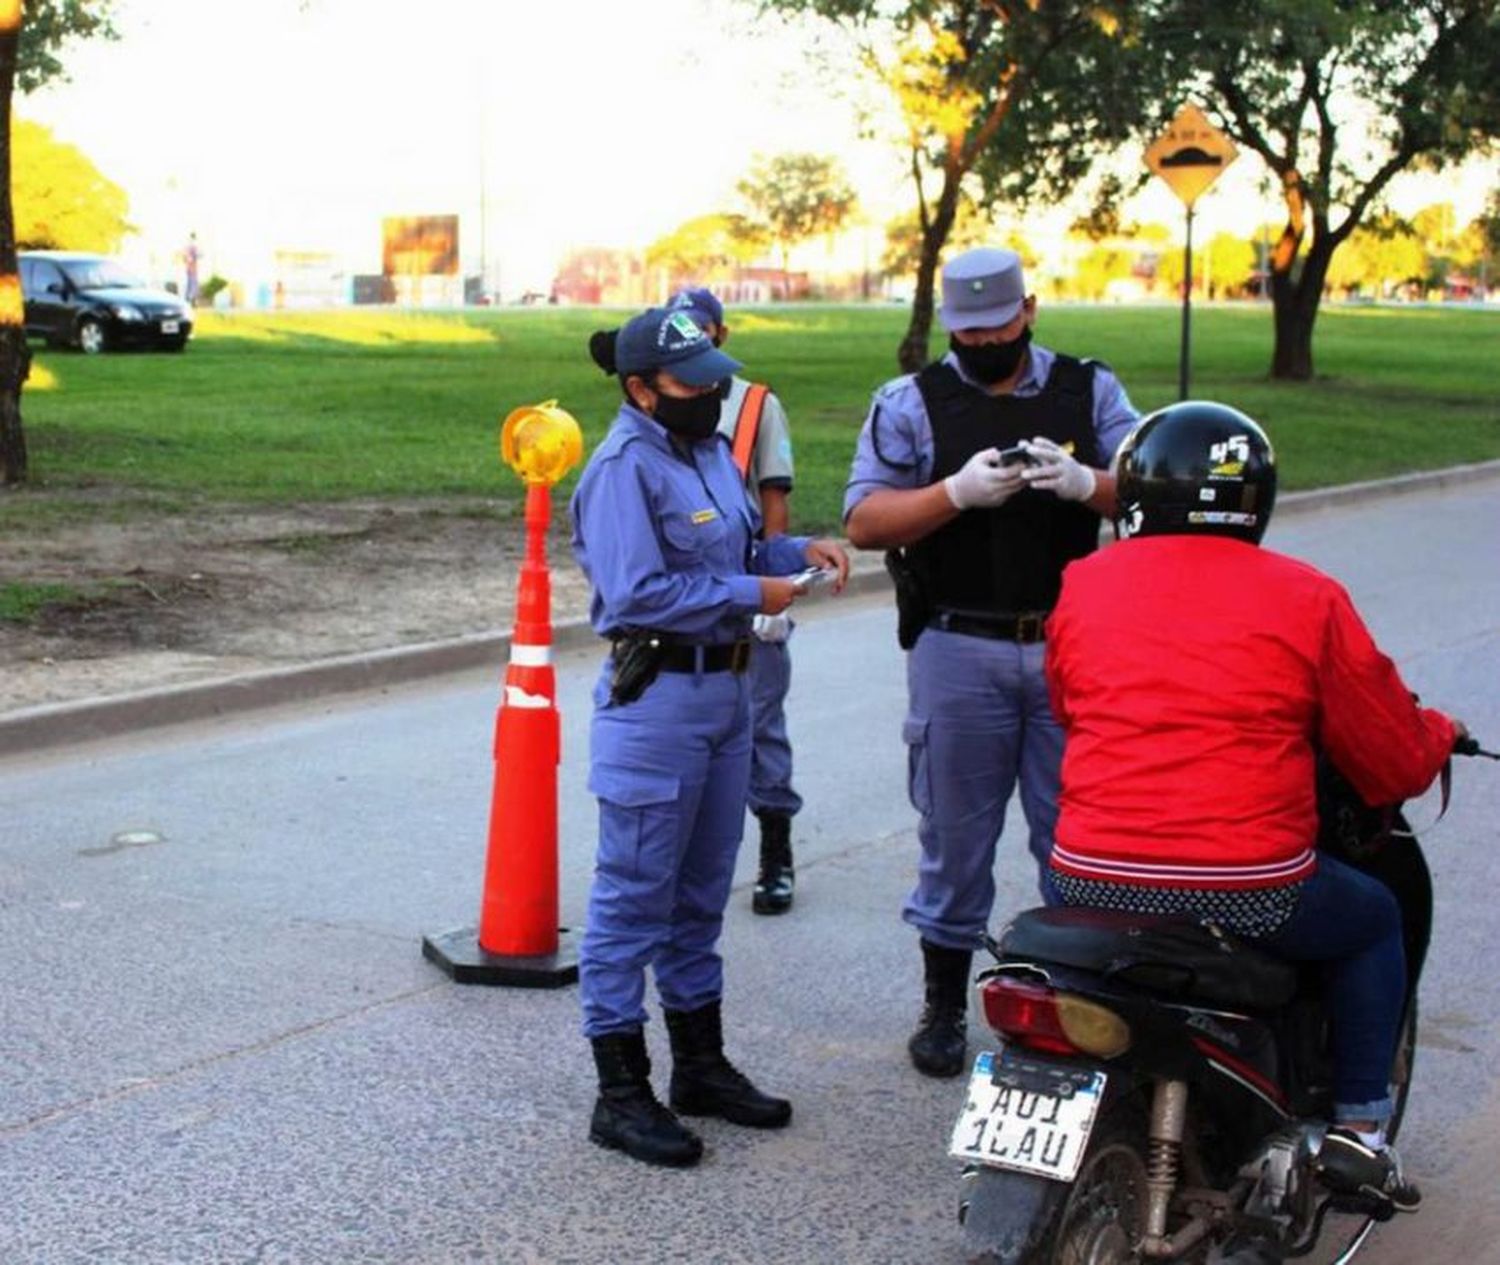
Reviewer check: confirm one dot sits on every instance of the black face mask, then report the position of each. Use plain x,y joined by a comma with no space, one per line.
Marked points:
991,362
695,418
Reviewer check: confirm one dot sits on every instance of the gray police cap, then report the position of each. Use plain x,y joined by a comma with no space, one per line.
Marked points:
982,289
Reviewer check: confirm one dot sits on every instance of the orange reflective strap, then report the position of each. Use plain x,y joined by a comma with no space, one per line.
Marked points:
747,425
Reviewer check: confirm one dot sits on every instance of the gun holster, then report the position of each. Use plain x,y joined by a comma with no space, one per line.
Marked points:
913,607
637,658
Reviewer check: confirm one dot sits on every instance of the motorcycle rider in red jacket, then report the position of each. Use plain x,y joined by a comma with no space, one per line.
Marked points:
1197,676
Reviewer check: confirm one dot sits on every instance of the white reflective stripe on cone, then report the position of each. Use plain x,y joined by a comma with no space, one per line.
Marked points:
530,656
515,696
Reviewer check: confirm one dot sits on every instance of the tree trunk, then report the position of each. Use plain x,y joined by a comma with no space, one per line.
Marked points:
1295,308
912,354
15,359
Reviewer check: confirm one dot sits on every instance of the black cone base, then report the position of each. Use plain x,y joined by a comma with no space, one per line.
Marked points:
459,955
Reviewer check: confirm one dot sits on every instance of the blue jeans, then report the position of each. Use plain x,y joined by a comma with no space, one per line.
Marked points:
1352,922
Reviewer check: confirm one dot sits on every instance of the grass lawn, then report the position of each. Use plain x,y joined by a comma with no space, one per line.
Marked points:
294,407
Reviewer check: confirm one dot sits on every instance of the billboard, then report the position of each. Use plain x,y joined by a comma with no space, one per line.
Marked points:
419,245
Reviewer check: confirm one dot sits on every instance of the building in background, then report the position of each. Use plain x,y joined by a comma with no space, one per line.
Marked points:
303,279
613,278
419,254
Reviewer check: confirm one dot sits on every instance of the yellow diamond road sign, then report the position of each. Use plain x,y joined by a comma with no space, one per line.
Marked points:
1190,154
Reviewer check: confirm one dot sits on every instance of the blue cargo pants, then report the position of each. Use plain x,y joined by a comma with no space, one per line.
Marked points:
979,722
771,763
671,772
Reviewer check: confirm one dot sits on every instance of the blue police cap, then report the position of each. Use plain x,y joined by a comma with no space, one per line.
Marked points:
700,303
660,338
982,289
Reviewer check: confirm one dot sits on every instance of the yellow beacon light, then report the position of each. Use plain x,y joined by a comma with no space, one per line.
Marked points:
541,442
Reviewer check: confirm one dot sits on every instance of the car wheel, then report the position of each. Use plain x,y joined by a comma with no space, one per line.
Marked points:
91,337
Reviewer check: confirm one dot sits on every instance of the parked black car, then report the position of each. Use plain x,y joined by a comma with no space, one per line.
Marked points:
93,302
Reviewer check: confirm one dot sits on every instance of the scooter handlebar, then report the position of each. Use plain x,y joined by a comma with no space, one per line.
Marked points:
1469,745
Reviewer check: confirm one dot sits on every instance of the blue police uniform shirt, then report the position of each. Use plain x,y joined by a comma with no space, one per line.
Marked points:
667,536
895,448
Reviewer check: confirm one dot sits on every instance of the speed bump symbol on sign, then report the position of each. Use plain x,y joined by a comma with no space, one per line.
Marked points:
1190,154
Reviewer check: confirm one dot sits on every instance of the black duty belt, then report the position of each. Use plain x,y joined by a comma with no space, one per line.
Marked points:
731,657
1024,627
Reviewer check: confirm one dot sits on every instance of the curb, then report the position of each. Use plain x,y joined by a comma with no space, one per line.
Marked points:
1376,489
35,729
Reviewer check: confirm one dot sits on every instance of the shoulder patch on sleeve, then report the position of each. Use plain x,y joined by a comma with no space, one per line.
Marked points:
895,387
612,446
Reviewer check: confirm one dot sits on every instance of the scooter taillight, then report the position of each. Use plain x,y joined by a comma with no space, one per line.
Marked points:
1041,1018
1027,1013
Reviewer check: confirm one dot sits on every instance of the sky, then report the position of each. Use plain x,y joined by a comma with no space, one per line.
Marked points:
588,122
299,124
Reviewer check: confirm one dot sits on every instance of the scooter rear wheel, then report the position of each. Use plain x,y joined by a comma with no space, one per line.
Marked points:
1094,1220
1104,1217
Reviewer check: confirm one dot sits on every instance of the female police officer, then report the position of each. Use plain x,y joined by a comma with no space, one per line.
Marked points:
666,535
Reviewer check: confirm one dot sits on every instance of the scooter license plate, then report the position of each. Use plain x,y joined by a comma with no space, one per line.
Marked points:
1024,1114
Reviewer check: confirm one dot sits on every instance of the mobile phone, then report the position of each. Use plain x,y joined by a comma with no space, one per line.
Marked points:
813,575
1017,456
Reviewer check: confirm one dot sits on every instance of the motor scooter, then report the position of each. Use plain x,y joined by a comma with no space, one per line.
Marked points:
1161,1089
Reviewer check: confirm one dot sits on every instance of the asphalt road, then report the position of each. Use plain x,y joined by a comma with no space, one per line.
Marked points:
220,1042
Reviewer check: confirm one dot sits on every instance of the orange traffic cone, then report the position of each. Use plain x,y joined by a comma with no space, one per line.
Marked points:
518,940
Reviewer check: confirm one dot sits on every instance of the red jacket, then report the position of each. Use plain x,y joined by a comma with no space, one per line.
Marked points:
1193,675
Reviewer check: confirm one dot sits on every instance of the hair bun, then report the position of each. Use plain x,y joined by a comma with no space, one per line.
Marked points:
602,348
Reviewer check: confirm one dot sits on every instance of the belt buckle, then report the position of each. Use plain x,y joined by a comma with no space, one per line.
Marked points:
739,657
1030,627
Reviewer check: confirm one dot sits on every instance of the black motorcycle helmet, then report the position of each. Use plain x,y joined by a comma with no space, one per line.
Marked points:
1196,468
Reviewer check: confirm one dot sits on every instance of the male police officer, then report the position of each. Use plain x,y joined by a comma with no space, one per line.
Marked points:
755,424
988,470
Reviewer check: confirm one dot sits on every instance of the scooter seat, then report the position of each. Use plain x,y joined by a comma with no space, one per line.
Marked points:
1175,956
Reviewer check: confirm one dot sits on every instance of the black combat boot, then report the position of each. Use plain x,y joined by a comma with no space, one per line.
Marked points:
774,887
627,1116
938,1045
705,1083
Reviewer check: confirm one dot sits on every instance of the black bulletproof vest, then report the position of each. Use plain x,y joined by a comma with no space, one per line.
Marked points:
1006,560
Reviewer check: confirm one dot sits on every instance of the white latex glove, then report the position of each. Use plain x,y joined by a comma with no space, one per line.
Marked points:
772,628
1058,472
983,483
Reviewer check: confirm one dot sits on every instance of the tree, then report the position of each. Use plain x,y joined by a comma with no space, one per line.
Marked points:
51,24
795,197
1488,224
1379,258
1000,98
61,200
28,58
706,248
903,237
1102,263
1436,228
1336,97
1453,249
1478,247
1225,264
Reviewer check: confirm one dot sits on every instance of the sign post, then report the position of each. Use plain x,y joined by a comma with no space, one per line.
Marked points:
1189,156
